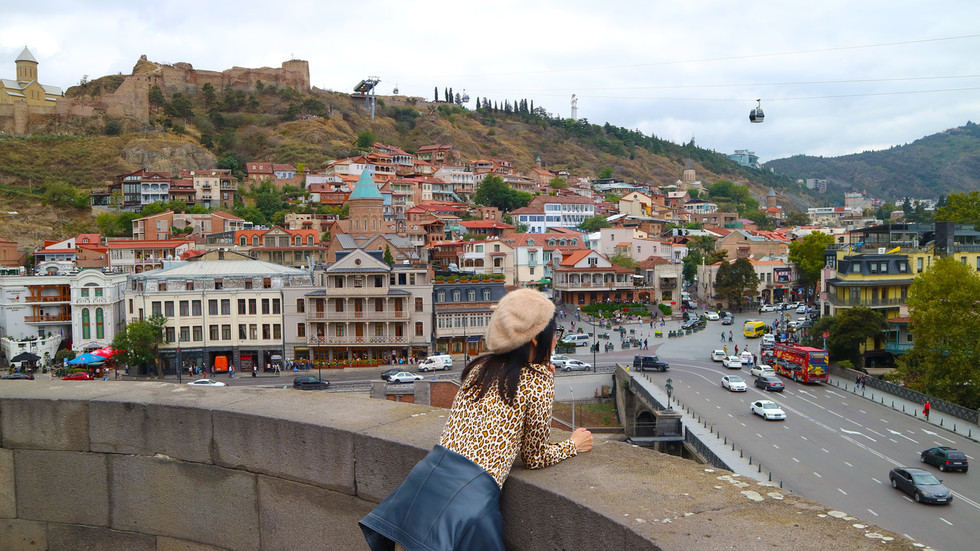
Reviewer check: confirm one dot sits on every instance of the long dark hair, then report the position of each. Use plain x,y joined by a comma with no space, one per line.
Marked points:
504,370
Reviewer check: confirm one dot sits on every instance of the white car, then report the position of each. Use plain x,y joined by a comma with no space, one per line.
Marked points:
801,309
769,410
718,355
762,370
746,358
558,360
404,377
734,383
767,308
576,365
768,339
712,316
732,362
206,382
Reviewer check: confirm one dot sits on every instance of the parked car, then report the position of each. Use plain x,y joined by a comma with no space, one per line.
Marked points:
309,382
801,309
718,355
21,376
767,308
727,320
206,382
385,375
770,383
769,410
945,458
80,376
732,362
578,339
712,316
920,484
558,360
642,363
762,370
576,365
734,383
404,377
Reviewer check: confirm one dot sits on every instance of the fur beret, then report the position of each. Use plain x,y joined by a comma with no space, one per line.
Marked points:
518,318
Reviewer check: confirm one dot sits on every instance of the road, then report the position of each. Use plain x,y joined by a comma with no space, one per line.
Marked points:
835,447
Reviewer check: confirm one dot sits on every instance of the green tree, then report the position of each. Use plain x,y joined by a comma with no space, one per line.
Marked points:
960,208
180,106
156,96
140,341
808,255
366,139
388,258
269,204
606,173
736,280
113,127
796,218
558,183
436,92
623,260
493,192
850,331
691,261
209,95
945,319
594,224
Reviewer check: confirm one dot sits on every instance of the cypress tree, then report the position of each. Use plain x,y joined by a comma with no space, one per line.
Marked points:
451,98
532,106
445,94
437,93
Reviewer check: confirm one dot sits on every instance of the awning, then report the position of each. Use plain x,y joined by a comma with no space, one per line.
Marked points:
474,339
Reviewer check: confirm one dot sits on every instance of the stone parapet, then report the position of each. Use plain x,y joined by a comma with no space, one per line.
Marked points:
157,466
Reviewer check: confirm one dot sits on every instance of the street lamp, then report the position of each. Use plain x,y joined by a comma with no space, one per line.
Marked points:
180,364
595,344
572,392
670,390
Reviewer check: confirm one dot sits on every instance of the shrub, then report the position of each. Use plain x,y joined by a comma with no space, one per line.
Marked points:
664,309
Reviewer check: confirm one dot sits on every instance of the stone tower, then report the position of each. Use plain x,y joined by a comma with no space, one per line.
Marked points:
771,198
26,66
366,207
689,175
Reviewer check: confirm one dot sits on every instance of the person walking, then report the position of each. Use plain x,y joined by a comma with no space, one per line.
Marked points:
450,500
925,409
722,336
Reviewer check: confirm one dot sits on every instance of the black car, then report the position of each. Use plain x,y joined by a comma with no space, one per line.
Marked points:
309,382
642,363
946,458
920,484
387,374
727,320
23,376
769,383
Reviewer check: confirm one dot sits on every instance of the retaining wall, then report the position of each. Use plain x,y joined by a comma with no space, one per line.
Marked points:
157,466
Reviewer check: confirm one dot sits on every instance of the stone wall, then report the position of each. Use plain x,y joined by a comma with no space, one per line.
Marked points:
158,466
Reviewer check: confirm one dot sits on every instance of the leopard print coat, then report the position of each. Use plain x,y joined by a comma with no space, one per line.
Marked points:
491,434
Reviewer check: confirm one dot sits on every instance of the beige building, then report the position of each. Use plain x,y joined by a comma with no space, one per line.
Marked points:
743,244
490,256
26,87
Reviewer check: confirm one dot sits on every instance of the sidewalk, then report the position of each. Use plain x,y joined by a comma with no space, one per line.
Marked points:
936,419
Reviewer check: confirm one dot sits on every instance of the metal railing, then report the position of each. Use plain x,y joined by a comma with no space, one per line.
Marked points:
949,408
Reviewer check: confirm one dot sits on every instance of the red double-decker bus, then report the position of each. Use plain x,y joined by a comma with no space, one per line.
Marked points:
804,364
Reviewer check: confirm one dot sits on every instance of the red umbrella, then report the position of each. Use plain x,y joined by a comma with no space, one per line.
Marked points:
106,352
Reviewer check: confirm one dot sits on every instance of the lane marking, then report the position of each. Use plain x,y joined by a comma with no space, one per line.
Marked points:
775,446
872,512
832,412
857,433
876,480
841,491
817,474
825,450
848,464
930,433
876,432
795,459
946,521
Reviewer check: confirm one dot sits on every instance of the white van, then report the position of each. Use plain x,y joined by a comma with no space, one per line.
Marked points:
436,363
578,339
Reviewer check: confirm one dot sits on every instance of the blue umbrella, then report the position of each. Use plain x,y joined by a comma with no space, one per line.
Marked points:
86,359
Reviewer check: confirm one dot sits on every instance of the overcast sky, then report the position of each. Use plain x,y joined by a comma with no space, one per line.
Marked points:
835,77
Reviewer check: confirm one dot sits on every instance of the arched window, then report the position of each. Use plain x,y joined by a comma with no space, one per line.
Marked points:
255,241
242,241
86,329
99,324
309,239
297,240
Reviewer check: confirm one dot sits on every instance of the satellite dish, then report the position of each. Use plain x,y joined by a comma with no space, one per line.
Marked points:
756,115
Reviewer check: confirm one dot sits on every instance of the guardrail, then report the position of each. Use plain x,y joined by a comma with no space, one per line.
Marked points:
949,408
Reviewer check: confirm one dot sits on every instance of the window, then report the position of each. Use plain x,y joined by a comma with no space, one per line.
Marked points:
248,283
300,329
226,332
84,292
399,330
441,296
267,283
218,284
379,281
339,305
156,308
265,306
130,306
456,296
419,328
198,333
379,305
169,334
855,268
276,306
226,307
918,264
212,307
340,330
185,334
213,332
184,311
241,307
251,306
276,331
593,261
300,305
266,333
418,304
189,285
242,332
86,329
253,331
486,294
358,282
196,307
471,295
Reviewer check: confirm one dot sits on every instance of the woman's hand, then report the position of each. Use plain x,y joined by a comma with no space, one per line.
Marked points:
582,438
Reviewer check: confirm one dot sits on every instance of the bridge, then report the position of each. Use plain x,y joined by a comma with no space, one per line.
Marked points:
157,466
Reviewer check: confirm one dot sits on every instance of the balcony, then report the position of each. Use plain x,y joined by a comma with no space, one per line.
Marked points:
668,283
866,303
897,348
388,315
324,340
56,298
48,318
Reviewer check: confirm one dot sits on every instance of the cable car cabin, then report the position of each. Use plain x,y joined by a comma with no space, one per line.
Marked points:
756,115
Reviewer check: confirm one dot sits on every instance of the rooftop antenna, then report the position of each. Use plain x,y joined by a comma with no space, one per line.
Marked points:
367,87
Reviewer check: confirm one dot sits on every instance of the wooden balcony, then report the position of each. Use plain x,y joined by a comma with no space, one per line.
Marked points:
325,340
48,318
371,316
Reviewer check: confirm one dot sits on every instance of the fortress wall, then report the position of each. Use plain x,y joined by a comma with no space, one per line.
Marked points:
159,466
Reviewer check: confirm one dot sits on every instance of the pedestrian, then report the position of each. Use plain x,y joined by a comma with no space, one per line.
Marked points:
731,336
736,350
450,500
726,350
231,370
722,336
646,344
255,371
925,409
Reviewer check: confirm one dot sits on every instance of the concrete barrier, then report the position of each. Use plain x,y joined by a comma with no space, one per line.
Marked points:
157,466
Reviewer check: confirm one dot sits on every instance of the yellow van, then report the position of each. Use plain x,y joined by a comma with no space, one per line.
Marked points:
754,328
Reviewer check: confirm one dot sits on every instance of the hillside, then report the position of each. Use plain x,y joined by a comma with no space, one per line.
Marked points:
934,166
284,126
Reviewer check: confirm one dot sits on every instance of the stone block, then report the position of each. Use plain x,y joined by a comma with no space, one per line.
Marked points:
187,501
304,452
148,429
8,501
60,486
65,537
385,454
173,544
65,424
23,535
282,528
